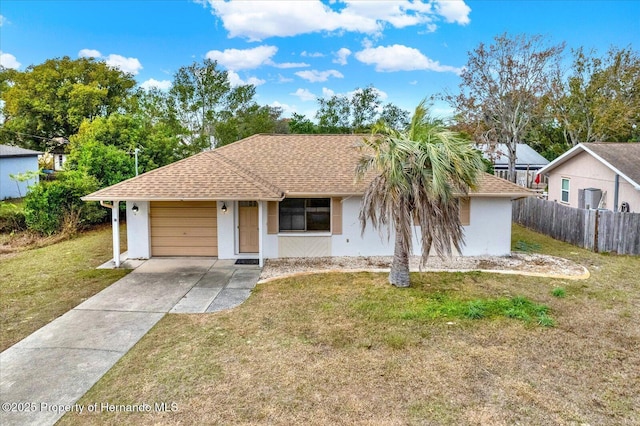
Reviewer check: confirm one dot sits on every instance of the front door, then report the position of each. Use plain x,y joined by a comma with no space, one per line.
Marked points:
248,230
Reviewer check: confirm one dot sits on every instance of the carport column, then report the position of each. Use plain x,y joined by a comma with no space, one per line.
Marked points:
260,239
115,218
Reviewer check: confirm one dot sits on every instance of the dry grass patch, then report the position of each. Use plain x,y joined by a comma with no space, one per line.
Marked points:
38,285
349,349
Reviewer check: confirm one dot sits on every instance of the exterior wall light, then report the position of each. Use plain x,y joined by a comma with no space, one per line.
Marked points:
135,209
224,207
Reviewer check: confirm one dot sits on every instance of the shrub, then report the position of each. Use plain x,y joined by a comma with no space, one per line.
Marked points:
51,205
107,163
11,218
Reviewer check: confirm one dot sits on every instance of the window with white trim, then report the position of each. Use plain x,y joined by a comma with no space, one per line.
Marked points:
304,215
564,191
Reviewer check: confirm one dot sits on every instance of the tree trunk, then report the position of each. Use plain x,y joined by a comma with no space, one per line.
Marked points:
399,274
511,147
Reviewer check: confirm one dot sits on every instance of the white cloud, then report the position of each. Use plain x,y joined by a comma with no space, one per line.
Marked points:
311,54
255,81
327,93
89,53
3,20
381,94
316,76
453,11
7,60
304,95
291,65
286,109
401,58
257,20
243,59
399,14
130,65
153,83
235,80
283,79
341,56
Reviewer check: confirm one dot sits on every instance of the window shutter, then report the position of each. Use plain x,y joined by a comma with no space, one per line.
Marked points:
336,216
464,204
272,217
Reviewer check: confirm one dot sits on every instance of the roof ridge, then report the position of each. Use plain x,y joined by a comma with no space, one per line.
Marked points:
248,174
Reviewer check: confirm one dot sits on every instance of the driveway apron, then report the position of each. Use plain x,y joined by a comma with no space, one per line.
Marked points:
45,374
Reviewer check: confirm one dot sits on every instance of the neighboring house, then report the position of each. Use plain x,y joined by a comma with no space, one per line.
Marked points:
13,161
597,175
58,151
528,162
271,196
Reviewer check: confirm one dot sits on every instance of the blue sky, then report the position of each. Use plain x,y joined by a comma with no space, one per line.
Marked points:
295,51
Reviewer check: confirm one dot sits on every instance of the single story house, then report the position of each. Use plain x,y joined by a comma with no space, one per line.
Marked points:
528,162
15,160
273,196
597,175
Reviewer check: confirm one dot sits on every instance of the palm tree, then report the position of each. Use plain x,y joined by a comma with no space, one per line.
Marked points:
418,175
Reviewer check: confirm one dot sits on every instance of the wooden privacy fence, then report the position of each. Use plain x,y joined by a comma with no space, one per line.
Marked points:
596,230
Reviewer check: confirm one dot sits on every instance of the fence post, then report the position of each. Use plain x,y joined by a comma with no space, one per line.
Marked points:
596,249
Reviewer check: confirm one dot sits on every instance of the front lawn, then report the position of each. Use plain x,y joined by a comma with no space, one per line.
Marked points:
39,285
349,349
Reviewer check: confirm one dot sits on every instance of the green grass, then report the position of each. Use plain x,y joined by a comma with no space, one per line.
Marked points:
39,285
559,292
526,246
454,348
418,305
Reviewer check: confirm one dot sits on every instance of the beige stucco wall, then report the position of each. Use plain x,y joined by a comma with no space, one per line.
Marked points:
584,171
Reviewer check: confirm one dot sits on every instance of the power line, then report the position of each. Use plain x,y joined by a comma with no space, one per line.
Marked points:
32,136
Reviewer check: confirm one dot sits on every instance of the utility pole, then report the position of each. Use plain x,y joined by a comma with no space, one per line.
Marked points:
135,153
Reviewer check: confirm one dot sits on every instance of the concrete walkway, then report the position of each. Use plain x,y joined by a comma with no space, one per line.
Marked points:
44,375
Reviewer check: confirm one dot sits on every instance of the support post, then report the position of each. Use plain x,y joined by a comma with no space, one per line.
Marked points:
115,226
615,193
260,252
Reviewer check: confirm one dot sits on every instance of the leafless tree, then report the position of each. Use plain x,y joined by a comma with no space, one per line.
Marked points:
503,87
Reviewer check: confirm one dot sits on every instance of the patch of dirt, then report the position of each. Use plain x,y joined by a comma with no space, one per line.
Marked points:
517,262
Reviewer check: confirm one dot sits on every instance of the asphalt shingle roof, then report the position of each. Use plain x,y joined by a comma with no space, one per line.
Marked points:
267,167
623,156
16,151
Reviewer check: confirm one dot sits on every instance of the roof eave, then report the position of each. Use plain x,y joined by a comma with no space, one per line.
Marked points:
558,161
322,194
217,198
502,194
575,151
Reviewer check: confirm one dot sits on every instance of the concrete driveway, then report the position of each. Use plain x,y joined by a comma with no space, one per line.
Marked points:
43,375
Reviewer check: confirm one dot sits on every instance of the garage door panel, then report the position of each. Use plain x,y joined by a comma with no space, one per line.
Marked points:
184,228
184,251
190,212
169,222
186,232
184,204
185,242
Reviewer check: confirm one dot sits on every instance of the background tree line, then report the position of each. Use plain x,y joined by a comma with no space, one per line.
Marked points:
520,90
517,89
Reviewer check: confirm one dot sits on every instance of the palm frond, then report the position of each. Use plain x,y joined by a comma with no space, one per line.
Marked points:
419,173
